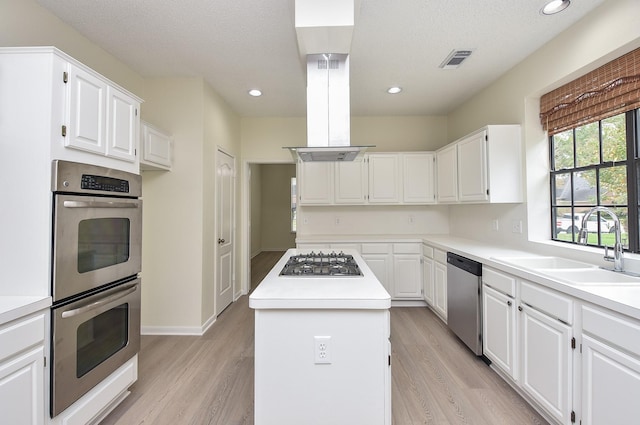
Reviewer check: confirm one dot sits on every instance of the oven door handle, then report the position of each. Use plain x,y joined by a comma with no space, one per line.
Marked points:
120,294
99,204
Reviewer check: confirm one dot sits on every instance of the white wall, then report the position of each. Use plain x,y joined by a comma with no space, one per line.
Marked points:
608,32
255,192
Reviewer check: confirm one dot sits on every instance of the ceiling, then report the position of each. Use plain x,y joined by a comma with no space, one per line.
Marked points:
236,45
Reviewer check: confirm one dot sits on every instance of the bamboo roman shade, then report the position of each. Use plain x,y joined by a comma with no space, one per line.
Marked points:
612,89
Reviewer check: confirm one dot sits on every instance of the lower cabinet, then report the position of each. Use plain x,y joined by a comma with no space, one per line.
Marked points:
499,329
22,371
610,367
407,271
440,284
428,274
546,362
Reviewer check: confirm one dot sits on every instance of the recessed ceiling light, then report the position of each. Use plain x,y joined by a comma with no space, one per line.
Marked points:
555,6
255,92
394,90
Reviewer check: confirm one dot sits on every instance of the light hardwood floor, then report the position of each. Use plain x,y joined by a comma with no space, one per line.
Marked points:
209,379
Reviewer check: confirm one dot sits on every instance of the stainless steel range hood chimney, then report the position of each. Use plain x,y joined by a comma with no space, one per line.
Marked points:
324,39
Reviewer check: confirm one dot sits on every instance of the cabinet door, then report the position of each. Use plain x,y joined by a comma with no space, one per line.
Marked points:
156,148
315,183
546,359
440,290
381,266
384,178
447,174
407,276
351,182
498,329
122,125
417,178
427,277
610,384
472,168
22,388
87,94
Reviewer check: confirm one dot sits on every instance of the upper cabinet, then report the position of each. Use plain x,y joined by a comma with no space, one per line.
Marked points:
376,179
418,178
483,167
384,178
156,148
90,118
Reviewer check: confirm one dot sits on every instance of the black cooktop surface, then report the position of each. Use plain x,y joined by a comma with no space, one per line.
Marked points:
319,264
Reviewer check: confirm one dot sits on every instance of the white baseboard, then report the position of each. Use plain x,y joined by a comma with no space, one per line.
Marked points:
178,330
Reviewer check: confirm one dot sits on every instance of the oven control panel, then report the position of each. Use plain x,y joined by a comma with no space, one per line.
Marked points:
106,184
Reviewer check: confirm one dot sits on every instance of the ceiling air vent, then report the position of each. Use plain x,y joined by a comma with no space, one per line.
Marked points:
455,59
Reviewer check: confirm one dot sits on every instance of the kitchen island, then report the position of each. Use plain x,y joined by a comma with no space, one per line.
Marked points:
322,350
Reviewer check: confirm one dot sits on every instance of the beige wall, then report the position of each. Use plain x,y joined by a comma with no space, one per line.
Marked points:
276,207
26,23
608,32
255,189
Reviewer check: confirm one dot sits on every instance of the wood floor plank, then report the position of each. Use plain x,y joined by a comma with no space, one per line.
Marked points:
208,380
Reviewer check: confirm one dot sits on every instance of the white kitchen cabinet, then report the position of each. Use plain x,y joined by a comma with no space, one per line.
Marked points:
499,336
610,367
384,178
447,174
67,110
418,178
499,329
315,183
156,148
427,274
407,271
440,284
546,353
22,370
351,182
487,167
102,118
379,258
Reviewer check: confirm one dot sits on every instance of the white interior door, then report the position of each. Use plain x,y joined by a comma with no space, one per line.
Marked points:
225,219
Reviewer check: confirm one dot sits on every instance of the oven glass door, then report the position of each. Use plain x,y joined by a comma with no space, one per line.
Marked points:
97,240
92,337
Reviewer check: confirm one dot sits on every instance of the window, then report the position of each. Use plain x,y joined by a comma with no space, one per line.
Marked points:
294,203
596,164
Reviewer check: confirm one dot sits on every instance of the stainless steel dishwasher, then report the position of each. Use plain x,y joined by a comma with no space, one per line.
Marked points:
464,302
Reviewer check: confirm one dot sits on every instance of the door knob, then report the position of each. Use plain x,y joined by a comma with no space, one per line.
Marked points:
221,241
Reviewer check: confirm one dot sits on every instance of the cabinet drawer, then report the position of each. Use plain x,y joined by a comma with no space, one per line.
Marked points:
499,281
550,302
406,248
375,248
20,335
611,327
427,251
440,256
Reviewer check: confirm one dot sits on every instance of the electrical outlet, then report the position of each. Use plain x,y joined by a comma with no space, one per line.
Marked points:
410,219
322,349
337,221
495,225
516,226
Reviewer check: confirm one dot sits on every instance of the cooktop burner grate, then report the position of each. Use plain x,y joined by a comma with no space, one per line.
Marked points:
312,264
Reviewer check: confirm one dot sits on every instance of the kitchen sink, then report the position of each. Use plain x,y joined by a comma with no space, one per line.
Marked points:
593,277
546,263
570,271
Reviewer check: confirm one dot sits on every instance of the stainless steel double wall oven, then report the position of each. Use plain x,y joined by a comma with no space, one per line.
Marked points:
97,238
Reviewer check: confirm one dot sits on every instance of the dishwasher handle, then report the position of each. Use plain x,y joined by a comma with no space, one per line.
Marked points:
465,264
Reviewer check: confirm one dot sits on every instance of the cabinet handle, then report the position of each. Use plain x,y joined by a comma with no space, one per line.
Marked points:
509,303
64,131
519,308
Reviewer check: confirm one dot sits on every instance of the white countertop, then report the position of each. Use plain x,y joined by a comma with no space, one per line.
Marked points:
320,292
15,307
623,299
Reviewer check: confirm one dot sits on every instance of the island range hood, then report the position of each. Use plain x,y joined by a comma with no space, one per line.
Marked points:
328,107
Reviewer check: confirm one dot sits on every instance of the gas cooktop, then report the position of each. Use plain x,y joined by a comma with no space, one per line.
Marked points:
312,264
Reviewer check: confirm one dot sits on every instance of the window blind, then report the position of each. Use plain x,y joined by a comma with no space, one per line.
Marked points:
609,90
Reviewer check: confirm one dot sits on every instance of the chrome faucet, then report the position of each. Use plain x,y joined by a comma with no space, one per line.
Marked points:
618,259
